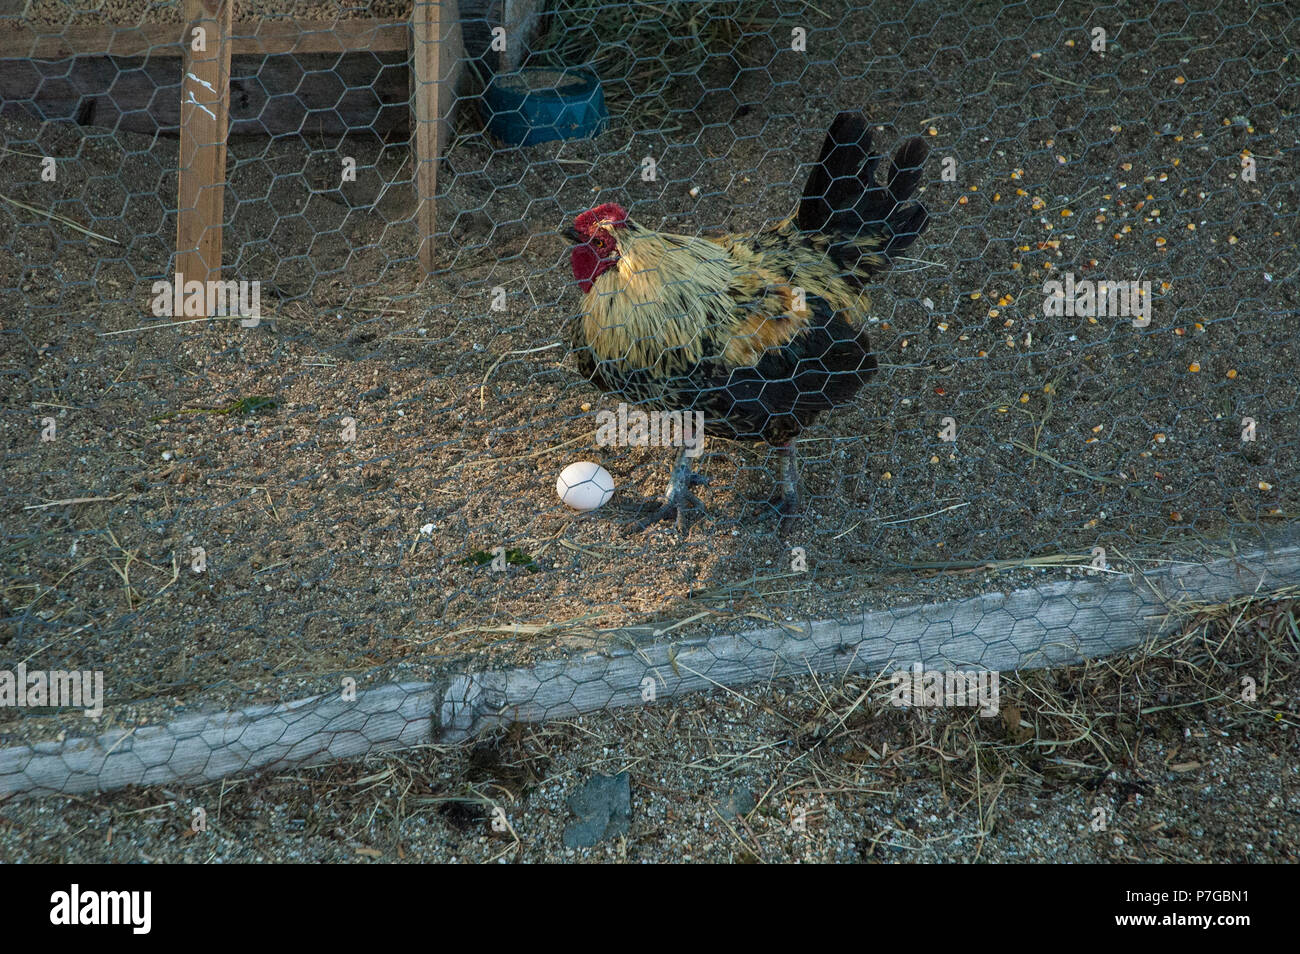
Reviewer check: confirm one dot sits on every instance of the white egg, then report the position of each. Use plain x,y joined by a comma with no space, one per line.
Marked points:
584,485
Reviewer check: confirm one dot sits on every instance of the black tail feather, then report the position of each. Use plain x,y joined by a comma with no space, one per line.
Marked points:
843,172
843,199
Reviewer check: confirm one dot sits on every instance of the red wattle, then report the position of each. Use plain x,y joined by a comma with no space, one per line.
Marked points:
586,266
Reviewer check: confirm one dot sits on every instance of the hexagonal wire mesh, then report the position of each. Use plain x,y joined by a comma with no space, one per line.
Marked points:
358,489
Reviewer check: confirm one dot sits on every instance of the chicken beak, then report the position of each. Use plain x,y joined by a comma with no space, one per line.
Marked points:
573,235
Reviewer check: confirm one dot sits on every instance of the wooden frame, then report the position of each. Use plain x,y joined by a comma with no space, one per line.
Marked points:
267,37
205,97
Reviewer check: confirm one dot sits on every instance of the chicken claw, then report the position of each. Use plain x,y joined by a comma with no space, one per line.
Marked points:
678,497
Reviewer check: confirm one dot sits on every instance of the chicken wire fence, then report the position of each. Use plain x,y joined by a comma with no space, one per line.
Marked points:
336,527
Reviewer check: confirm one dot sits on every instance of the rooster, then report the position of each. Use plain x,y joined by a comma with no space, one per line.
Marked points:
762,333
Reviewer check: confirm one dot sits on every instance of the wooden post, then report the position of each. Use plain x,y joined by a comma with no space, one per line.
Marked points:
205,115
433,94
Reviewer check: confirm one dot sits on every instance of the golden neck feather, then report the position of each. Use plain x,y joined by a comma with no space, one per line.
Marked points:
652,309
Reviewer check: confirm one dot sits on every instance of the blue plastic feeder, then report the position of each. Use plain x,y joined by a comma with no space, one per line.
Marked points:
538,104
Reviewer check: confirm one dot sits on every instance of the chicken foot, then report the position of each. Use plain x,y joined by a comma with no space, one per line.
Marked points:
678,496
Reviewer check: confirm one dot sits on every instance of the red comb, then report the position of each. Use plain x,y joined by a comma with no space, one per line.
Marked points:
609,212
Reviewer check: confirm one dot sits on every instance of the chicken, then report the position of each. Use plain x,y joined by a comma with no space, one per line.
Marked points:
762,333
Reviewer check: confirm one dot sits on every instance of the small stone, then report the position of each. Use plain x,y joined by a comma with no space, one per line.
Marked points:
739,801
604,810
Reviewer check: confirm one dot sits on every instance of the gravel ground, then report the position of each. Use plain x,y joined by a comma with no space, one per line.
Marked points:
331,558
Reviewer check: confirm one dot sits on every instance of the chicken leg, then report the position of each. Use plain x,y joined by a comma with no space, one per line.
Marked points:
678,496
787,501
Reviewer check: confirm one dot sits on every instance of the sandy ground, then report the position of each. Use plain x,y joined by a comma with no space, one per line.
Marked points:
329,558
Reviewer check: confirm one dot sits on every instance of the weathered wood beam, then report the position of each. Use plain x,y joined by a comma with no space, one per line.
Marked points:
131,94
1053,624
25,41
208,746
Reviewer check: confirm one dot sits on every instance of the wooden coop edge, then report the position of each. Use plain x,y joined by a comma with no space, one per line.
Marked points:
1055,624
266,37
